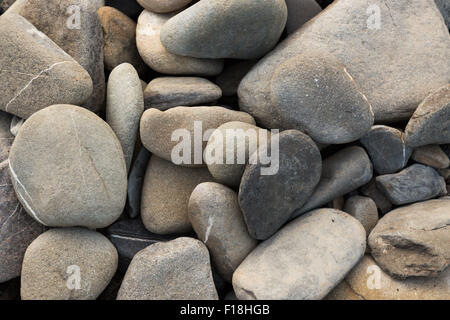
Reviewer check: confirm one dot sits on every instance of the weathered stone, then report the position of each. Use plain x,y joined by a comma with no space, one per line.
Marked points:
159,59
231,76
413,240
342,173
218,29
119,33
124,108
80,36
165,195
35,72
217,219
300,12
364,210
431,155
167,92
367,281
386,148
178,270
415,183
163,6
379,67
304,260
370,190
68,168
268,197
188,125
57,257
430,123
136,181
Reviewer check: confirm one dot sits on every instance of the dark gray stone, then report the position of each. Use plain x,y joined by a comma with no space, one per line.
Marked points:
136,181
300,12
415,183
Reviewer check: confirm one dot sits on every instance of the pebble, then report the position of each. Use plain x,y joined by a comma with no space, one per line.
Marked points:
163,6
68,168
124,107
300,12
175,270
36,73
136,181
364,210
167,92
431,155
237,30
413,241
386,148
342,173
67,264
303,261
165,195
415,183
159,59
370,190
217,219
268,199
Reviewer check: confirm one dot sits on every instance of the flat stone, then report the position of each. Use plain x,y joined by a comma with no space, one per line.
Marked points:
163,6
342,173
217,219
159,59
413,241
55,260
267,199
175,270
82,40
235,29
430,123
136,181
431,155
386,148
119,33
68,168
165,195
231,76
367,281
192,123
348,32
413,184
300,12
304,260
124,107
364,210
167,92
370,190
35,72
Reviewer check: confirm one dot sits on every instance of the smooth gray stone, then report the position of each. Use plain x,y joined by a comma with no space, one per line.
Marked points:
431,155
218,29
342,173
364,210
300,12
136,182
386,148
415,183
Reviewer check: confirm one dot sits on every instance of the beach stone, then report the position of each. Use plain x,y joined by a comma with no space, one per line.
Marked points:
54,260
136,181
68,168
370,190
444,7
308,92
431,155
159,59
231,76
430,123
165,195
303,261
35,71
119,33
130,8
175,270
81,37
300,12
217,219
167,92
124,107
343,172
163,6
386,148
415,183
16,124
348,30
218,29
361,284
187,125
268,199
364,210
413,241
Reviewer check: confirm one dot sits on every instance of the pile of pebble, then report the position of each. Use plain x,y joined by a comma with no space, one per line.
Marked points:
93,204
